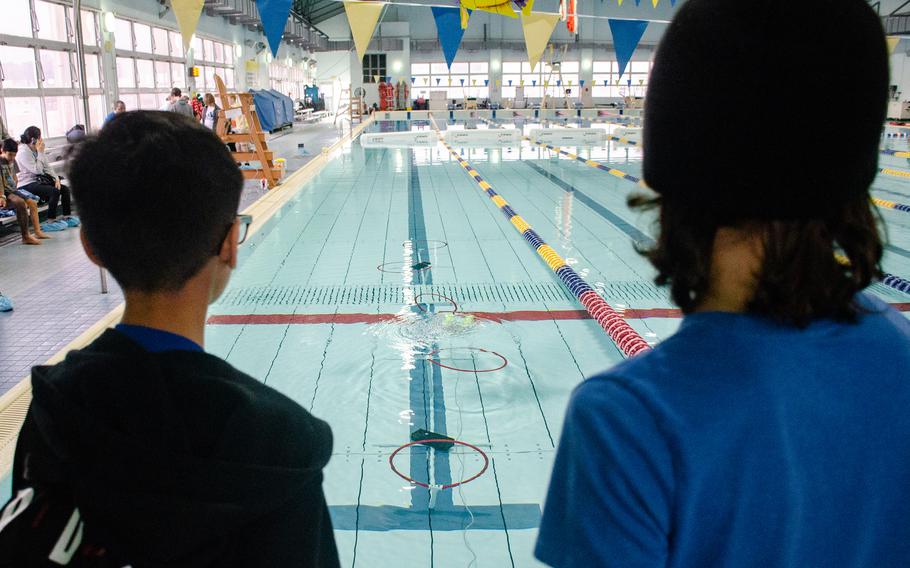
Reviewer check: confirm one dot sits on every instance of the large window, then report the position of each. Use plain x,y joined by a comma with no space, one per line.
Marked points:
460,81
213,58
150,62
289,77
374,65
39,84
608,83
546,79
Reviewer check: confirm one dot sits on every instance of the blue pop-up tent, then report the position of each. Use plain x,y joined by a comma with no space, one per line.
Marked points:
288,104
269,110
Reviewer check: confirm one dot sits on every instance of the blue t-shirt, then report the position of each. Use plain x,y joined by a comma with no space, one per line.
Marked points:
740,442
156,340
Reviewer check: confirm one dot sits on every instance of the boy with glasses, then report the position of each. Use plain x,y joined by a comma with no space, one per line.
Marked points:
141,449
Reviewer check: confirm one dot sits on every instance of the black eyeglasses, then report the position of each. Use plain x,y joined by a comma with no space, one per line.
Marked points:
245,222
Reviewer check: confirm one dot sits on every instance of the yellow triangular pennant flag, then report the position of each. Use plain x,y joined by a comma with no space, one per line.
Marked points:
620,2
655,2
537,27
187,12
362,17
892,43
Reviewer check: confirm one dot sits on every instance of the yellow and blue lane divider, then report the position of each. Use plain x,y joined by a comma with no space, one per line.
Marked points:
612,171
623,335
896,153
628,177
890,280
893,172
891,205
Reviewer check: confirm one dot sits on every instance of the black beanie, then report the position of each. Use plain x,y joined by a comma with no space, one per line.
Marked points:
766,109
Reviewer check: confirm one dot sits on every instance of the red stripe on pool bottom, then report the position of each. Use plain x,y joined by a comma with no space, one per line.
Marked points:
498,317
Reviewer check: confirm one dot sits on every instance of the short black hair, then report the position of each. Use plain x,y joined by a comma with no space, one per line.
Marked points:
10,145
175,92
157,193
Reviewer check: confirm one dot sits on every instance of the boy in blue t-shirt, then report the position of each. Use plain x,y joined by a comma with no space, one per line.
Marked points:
773,429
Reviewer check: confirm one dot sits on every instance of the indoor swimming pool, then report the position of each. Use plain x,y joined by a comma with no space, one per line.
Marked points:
391,298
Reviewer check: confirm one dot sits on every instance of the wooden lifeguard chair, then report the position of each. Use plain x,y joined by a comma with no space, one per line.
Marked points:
236,105
351,104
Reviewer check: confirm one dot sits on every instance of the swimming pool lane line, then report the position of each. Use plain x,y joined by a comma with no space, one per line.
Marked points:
591,163
628,177
621,333
890,280
886,204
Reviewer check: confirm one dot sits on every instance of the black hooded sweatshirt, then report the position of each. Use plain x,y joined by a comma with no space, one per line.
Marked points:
131,458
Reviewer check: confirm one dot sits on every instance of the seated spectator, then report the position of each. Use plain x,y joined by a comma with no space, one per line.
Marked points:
142,449
180,104
36,176
24,204
771,430
119,108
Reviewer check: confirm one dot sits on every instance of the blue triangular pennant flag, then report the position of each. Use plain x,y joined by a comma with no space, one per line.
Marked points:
448,27
626,35
638,2
534,82
413,80
274,15
582,83
486,82
438,80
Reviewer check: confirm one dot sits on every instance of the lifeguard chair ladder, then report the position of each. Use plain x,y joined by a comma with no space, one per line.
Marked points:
254,135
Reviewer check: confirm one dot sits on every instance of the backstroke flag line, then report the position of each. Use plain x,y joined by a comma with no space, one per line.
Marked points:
626,36
187,12
448,27
363,17
274,15
537,27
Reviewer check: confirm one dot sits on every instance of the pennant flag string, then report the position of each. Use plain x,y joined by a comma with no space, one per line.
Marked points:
187,13
450,31
537,28
626,36
363,17
274,15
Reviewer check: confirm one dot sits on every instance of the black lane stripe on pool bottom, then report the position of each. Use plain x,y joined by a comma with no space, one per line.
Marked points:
614,219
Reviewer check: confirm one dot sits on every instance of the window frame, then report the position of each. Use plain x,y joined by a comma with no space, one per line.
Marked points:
43,93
